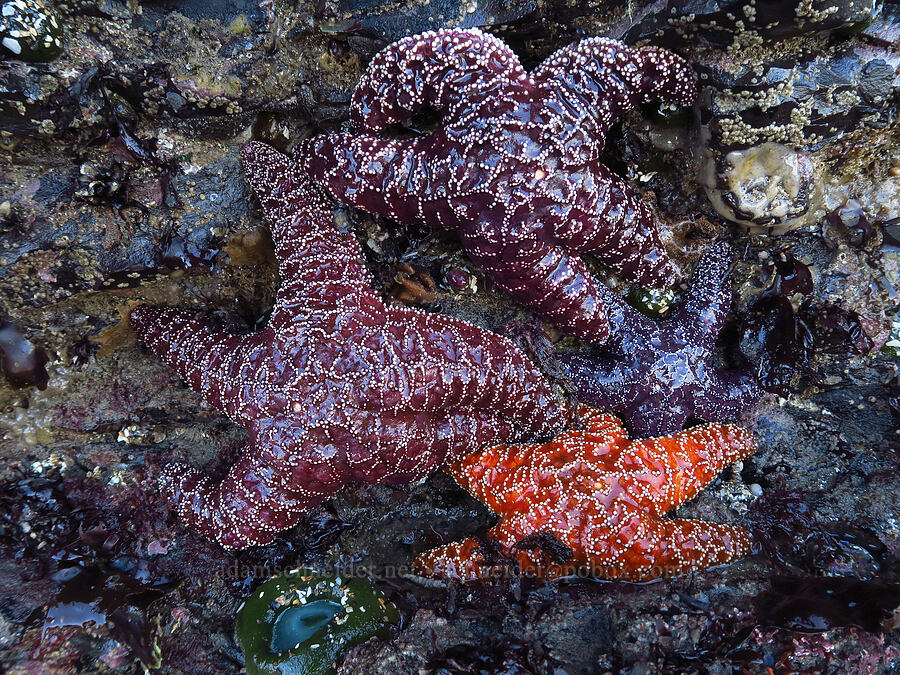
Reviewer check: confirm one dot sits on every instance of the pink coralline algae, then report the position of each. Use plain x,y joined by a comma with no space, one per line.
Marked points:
513,166
337,387
659,374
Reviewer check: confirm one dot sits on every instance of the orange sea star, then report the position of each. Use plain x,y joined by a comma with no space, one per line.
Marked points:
603,497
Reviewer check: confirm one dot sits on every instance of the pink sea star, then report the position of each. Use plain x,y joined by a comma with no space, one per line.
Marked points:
513,166
337,387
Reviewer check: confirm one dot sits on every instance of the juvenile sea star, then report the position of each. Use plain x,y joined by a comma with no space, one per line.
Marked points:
337,387
658,374
513,166
603,497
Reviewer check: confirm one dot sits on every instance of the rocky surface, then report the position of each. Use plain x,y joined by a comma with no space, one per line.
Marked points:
120,182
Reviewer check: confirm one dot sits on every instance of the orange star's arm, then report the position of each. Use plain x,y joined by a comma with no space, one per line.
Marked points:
464,560
673,469
479,473
659,547
505,477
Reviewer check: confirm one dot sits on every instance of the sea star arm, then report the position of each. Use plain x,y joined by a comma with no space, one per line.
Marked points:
428,69
659,413
388,177
649,548
544,277
727,395
671,470
436,363
406,447
603,383
311,251
640,548
394,177
264,492
247,508
609,78
492,476
224,368
628,241
625,541
705,307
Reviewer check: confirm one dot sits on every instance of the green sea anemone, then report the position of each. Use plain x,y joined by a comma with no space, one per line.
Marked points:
303,622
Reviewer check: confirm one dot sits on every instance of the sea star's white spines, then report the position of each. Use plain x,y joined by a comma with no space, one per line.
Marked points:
602,496
731,395
666,77
338,386
513,165
658,374
248,507
434,68
705,307
211,362
573,285
626,244
696,456
664,543
308,246
622,77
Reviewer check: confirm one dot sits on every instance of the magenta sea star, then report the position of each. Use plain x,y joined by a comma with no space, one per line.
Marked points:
513,166
659,374
338,387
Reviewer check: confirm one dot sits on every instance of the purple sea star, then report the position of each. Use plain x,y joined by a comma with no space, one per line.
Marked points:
338,387
658,374
513,167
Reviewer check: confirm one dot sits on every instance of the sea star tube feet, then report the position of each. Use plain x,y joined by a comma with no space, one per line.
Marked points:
513,166
338,387
604,498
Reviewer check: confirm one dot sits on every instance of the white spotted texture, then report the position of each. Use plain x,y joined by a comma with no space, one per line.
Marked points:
604,498
513,166
338,387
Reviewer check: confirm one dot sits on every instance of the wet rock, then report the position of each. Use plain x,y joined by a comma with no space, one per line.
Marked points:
196,65
391,21
815,604
802,101
676,22
155,104
29,31
781,94
73,234
765,128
